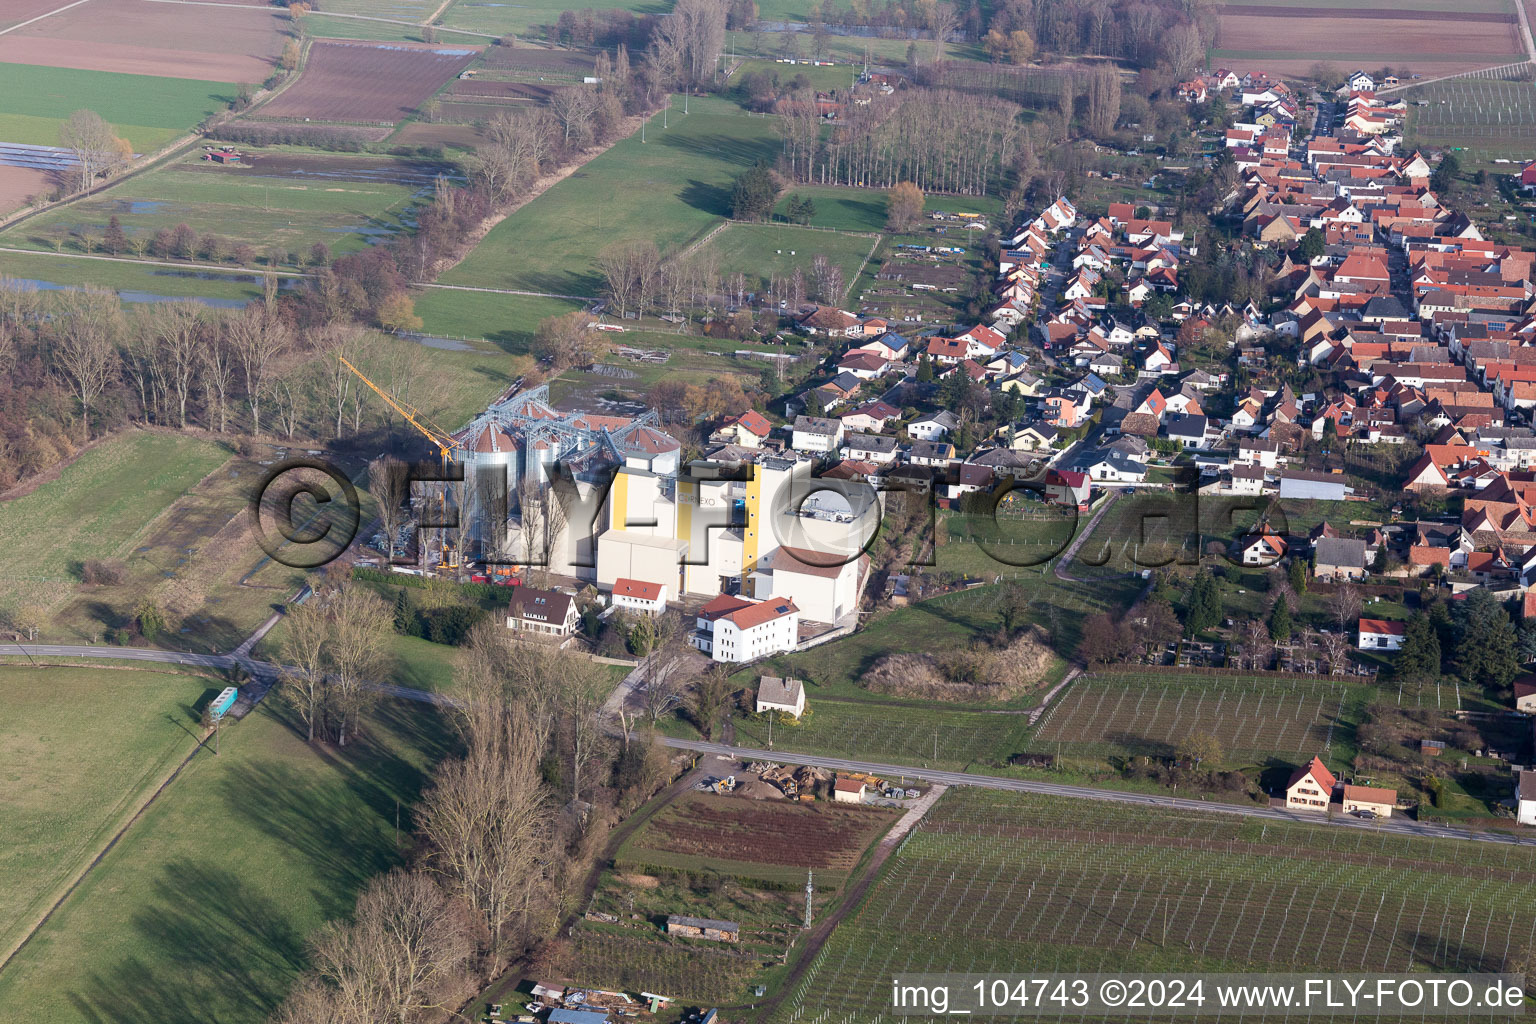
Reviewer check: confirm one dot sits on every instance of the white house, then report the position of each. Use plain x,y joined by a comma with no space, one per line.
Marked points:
1310,788
1381,635
734,629
1359,81
1525,796
1258,451
816,434
1262,549
934,426
876,448
786,695
639,596
1110,466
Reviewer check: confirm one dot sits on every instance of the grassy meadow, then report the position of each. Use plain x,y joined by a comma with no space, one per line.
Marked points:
669,189
202,911
764,251
290,213
84,747
99,507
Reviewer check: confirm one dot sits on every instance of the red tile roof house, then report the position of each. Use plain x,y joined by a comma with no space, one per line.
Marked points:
639,596
1381,635
735,629
1310,788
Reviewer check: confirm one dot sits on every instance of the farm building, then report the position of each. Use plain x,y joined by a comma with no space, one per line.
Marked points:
848,791
1368,800
776,694
703,928
1310,788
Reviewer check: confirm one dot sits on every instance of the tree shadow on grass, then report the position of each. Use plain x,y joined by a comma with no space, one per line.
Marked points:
701,195
214,949
213,946
725,149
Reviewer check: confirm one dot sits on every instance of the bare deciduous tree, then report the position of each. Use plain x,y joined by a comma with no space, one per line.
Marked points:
1344,603
257,339
304,653
90,324
488,824
402,958
94,145
360,624
216,372
389,483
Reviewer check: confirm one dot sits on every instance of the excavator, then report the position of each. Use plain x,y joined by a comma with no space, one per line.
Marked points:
445,442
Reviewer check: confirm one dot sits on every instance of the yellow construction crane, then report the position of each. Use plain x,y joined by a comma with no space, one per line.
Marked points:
446,443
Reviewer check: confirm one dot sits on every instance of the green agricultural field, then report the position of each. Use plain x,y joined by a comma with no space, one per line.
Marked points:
499,18
761,252
825,79
99,507
323,26
289,212
84,747
670,190
990,881
1470,110
146,110
202,911
1119,715
1008,542
134,282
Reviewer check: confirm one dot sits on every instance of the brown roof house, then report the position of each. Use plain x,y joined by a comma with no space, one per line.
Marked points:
542,611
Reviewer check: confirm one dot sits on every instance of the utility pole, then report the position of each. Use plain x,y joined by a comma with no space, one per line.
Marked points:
810,890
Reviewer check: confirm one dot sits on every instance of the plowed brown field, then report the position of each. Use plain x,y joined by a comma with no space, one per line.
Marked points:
366,82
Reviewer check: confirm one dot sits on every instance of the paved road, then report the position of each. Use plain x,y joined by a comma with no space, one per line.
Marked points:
221,661
267,670
1401,826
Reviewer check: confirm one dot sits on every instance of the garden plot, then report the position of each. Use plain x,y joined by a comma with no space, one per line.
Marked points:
990,881
726,858
745,837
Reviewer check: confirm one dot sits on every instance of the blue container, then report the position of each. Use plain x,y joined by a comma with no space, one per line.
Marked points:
225,700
